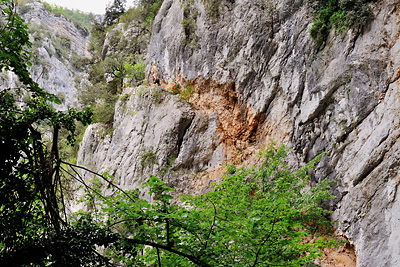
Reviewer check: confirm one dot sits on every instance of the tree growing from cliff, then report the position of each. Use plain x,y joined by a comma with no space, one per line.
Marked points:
255,217
340,15
113,12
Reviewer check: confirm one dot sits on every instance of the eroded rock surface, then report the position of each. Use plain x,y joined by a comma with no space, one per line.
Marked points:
256,59
52,68
342,98
156,133
38,15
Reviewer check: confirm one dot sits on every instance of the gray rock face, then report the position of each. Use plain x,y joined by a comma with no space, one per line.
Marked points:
59,79
55,74
130,38
342,98
155,133
59,25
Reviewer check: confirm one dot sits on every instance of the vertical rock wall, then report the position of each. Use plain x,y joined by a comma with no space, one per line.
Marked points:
154,133
56,74
258,76
342,98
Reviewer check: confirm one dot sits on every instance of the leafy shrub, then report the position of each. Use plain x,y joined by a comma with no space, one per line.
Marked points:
65,41
176,89
125,97
149,10
264,216
190,14
339,14
80,63
113,11
137,71
62,45
187,93
104,110
68,152
213,7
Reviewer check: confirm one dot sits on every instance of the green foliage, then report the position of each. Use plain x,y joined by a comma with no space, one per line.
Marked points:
132,73
108,76
147,159
188,23
176,89
67,152
167,167
148,11
339,14
104,110
256,216
125,97
97,38
33,232
189,27
213,7
113,12
62,45
78,62
156,94
137,71
187,93
101,94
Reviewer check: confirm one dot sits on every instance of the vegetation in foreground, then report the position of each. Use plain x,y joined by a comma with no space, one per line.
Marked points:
260,216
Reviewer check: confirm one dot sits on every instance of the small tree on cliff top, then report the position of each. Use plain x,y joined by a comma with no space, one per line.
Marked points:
113,12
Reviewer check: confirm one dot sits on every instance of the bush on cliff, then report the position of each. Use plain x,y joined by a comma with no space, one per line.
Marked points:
340,15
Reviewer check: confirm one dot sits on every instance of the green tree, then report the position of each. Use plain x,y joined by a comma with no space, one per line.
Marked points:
255,217
34,230
113,12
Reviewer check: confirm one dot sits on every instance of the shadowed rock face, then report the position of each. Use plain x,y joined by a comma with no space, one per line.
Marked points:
342,98
258,76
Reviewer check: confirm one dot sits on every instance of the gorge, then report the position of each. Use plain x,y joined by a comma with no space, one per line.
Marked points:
252,75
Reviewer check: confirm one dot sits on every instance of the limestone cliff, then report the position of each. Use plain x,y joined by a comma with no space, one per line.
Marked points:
154,133
56,42
258,76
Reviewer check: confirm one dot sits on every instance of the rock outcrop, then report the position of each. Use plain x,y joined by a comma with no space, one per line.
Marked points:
59,25
52,68
259,76
342,98
154,133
